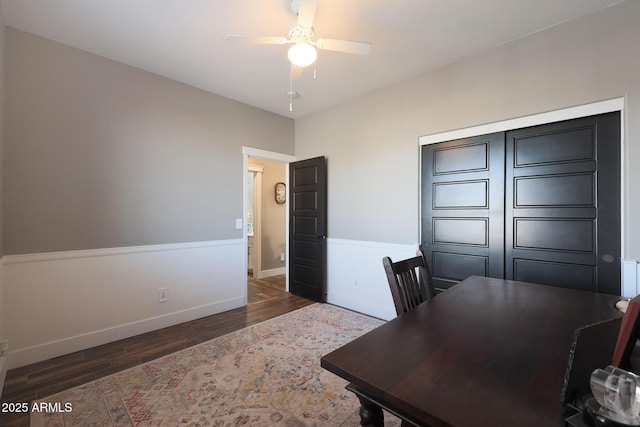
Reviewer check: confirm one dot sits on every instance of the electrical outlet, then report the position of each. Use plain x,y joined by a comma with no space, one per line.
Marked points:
356,283
163,295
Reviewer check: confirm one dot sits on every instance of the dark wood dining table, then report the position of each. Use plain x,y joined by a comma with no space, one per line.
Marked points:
486,352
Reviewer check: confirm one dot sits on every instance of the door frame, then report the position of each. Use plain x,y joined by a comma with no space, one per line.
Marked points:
271,156
591,109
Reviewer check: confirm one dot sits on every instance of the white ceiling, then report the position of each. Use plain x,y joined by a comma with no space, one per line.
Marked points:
184,40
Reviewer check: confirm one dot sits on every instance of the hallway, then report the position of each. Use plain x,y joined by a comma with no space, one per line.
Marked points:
264,289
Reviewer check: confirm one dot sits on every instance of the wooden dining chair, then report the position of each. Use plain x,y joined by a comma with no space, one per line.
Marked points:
411,284
410,281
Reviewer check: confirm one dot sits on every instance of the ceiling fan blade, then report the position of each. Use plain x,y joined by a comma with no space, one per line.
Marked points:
359,48
256,39
307,12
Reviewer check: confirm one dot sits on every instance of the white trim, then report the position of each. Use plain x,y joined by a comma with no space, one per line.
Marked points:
102,252
364,306
245,235
267,155
273,272
608,106
286,215
257,224
371,244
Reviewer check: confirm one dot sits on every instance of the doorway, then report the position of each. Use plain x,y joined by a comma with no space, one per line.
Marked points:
265,221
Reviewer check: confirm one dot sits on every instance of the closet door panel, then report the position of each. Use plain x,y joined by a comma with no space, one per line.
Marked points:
553,209
458,266
579,276
555,190
463,208
555,234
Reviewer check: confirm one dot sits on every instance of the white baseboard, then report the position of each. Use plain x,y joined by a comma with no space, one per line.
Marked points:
356,278
59,303
48,350
270,273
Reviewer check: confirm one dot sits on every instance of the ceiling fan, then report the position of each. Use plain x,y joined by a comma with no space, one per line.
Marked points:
301,35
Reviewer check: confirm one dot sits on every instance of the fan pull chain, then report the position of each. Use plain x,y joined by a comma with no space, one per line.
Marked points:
290,94
315,70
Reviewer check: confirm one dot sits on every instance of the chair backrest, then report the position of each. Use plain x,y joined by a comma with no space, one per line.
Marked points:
410,281
628,335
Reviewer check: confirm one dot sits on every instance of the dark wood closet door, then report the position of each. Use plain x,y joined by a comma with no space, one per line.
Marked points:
463,208
539,204
563,204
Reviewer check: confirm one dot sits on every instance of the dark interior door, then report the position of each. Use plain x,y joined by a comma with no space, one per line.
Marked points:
563,204
539,204
308,228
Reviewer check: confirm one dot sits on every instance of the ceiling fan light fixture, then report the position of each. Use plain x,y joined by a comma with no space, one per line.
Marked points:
302,54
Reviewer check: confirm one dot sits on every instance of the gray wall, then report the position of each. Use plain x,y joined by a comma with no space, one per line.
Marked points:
372,142
99,154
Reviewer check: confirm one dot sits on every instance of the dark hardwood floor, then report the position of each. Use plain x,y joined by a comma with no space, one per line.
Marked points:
267,298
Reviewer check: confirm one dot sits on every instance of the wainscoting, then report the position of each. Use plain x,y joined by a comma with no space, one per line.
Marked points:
356,278
58,303
61,302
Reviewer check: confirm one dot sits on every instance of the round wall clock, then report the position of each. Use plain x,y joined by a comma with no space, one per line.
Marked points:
281,193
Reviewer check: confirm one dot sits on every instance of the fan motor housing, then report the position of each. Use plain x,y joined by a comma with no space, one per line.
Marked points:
300,34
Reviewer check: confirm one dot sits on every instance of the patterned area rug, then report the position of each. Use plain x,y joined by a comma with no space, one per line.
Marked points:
266,374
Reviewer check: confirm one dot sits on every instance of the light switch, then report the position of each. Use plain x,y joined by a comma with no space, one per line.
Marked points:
238,223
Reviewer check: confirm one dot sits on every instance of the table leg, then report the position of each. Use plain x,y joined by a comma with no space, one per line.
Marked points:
370,413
